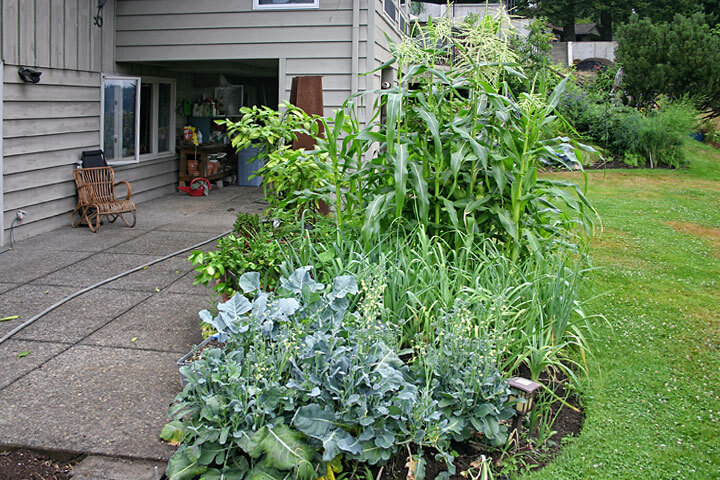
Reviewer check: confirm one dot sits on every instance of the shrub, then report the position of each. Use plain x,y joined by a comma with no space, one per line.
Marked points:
246,223
678,59
272,132
630,135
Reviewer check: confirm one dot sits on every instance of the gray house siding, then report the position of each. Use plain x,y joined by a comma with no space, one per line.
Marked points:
46,126
306,42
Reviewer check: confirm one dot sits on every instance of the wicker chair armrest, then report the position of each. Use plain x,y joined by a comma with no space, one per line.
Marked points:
129,188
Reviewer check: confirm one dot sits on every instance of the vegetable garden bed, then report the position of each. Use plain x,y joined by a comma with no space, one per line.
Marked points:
390,329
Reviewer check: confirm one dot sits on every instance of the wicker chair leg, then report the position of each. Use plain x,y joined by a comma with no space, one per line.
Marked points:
94,218
112,218
75,222
134,219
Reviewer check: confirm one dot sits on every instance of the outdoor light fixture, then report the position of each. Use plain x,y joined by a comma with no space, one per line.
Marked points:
29,75
98,18
525,398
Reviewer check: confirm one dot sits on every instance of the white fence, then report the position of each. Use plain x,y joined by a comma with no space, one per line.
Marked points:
568,52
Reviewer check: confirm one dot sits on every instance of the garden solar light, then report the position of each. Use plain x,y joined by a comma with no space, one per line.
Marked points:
526,389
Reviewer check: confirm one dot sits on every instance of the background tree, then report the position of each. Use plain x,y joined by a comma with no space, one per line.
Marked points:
562,13
678,59
610,13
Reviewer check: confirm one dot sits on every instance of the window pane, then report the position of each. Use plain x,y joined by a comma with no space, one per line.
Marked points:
390,8
119,118
145,118
164,117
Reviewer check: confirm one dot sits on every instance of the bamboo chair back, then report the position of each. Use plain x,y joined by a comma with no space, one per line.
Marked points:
100,183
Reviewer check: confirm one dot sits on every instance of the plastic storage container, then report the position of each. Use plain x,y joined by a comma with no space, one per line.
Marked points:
246,169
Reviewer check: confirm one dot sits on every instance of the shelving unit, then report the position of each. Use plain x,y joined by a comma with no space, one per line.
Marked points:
204,124
199,153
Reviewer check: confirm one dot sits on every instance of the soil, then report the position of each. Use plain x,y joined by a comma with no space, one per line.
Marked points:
28,465
198,353
567,423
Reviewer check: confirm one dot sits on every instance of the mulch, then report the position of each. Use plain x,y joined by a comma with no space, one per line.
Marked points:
28,465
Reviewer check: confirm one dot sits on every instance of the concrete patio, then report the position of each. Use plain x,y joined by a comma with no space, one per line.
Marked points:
100,372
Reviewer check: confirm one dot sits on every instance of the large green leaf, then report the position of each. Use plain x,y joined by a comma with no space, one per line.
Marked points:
251,442
479,150
172,432
507,223
315,421
180,467
400,169
433,125
263,472
374,212
452,213
287,449
557,92
394,104
339,440
420,189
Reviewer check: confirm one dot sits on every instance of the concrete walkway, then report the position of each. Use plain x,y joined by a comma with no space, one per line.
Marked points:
97,375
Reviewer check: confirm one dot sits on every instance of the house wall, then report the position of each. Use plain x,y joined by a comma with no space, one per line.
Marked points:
47,125
306,42
382,31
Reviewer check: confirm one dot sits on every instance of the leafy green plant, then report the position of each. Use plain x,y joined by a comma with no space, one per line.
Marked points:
246,223
529,307
272,133
316,370
638,138
265,127
256,251
673,58
288,171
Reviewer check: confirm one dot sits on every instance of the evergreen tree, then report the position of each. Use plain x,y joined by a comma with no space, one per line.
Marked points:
679,59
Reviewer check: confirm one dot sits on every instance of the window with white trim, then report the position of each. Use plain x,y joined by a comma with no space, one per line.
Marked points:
138,118
284,4
120,121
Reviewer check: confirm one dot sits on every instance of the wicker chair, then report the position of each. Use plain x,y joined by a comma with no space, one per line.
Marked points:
96,198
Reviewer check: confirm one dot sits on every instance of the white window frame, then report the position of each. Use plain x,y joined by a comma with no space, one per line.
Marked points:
154,116
124,160
286,6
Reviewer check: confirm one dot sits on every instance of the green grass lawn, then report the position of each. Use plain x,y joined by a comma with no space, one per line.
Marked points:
652,399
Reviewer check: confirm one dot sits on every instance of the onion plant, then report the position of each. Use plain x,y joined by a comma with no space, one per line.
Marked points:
528,307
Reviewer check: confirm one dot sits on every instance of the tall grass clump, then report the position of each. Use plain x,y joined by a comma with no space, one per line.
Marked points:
529,308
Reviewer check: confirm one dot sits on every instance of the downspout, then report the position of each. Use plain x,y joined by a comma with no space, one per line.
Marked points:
355,47
2,191
370,59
